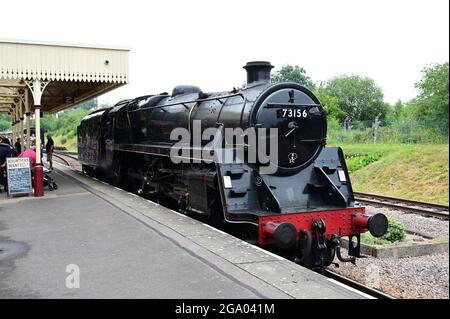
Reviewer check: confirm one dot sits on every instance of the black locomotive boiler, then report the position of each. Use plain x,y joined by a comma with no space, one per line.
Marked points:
304,206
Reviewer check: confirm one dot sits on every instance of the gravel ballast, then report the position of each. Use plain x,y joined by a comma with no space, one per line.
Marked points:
409,278
429,226
424,277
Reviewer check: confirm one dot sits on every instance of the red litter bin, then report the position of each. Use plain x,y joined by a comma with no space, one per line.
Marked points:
38,180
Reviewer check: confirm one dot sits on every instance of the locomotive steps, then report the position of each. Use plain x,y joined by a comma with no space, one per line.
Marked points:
267,274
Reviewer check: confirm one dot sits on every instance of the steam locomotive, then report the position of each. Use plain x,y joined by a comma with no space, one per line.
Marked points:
298,200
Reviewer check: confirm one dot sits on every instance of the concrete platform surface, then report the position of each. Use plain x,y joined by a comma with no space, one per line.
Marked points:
125,246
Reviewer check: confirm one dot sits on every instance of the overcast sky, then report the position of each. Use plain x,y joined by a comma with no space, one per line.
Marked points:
206,43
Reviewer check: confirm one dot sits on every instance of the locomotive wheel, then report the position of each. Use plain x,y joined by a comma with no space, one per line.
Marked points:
88,170
118,175
215,213
84,169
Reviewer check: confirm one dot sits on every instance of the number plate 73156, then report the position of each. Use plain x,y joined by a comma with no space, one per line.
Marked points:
292,113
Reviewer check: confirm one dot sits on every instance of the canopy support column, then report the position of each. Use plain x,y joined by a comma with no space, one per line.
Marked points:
12,122
27,117
37,125
37,87
15,121
22,101
21,135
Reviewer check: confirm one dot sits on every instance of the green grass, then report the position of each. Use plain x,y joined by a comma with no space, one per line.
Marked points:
411,171
69,143
368,239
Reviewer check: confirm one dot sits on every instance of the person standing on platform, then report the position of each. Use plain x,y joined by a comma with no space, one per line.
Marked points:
18,146
33,142
49,149
31,155
5,152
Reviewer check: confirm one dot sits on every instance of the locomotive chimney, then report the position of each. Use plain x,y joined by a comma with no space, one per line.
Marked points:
258,72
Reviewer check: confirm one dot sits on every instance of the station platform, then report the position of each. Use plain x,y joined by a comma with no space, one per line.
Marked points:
128,247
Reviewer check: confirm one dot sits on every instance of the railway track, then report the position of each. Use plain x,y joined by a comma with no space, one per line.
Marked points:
69,158
374,293
57,155
73,155
411,206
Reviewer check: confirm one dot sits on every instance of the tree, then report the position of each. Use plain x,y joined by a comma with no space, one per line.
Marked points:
289,73
88,105
5,122
331,106
395,112
358,96
49,123
398,109
432,100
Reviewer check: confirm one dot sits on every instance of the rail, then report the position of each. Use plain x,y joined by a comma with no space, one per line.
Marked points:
64,156
416,207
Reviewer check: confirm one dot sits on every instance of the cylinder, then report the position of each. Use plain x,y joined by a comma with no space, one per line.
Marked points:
361,220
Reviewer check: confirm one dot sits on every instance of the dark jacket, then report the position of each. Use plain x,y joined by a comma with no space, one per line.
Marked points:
49,146
18,148
5,151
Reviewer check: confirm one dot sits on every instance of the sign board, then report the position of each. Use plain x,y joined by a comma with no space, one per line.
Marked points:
19,175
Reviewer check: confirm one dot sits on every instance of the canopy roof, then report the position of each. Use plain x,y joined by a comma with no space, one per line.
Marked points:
75,73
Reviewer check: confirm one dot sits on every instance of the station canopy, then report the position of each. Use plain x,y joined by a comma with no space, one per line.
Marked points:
68,74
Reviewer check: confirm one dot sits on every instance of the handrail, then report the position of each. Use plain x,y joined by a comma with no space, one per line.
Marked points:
192,101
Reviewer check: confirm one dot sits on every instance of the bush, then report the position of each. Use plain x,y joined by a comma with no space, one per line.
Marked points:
63,140
396,231
358,162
